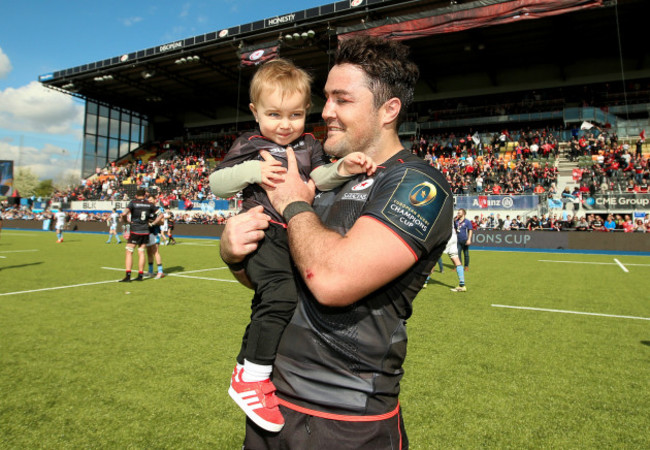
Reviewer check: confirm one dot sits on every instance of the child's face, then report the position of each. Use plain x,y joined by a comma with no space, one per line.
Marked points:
281,118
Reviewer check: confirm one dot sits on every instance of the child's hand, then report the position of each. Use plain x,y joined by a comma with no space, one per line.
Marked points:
272,172
355,163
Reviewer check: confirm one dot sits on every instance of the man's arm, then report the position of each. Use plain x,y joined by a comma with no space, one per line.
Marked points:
470,231
338,270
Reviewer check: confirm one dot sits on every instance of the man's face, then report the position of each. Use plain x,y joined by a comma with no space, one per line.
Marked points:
352,120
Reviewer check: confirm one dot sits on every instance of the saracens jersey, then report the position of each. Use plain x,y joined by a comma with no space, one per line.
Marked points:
309,155
141,213
348,361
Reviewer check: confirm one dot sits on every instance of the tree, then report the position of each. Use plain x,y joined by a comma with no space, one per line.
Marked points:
26,182
66,181
44,189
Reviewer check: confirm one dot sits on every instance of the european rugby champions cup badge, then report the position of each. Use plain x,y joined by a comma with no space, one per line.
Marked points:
415,204
423,194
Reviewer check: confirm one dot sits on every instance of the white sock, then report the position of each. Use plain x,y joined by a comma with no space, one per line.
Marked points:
256,372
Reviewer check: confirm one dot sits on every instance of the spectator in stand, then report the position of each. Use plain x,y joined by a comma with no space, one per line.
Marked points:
569,223
641,227
639,147
507,224
533,223
596,222
610,223
582,224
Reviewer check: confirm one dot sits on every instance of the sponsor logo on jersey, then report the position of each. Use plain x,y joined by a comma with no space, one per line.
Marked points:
365,184
354,196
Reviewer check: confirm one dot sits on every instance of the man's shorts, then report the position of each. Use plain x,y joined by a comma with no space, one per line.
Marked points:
153,239
138,239
452,246
303,431
113,227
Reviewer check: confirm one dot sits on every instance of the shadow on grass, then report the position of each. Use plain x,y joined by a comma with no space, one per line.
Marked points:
433,281
174,269
646,343
17,266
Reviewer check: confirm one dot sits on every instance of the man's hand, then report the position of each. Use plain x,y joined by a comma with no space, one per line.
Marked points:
242,233
293,189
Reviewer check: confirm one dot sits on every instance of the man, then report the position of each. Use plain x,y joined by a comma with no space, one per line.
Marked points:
153,246
639,147
464,231
169,225
452,251
60,217
112,226
141,213
362,253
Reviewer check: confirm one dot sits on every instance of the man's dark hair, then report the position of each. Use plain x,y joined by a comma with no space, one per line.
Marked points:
141,192
389,70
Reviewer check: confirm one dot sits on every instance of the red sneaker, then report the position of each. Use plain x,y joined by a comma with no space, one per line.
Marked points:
257,399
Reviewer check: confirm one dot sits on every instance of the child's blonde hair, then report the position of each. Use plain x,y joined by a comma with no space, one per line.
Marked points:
281,74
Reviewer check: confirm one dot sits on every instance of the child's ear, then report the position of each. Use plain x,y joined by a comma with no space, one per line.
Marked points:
253,110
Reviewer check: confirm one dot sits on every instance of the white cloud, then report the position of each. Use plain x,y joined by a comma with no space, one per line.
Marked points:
5,65
130,21
185,11
48,162
34,108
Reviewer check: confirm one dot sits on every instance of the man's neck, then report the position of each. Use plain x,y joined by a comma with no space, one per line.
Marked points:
388,147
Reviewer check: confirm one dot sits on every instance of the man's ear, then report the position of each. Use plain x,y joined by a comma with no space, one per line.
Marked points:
253,110
391,109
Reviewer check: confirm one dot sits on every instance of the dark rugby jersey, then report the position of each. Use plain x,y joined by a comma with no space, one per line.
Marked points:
309,155
349,360
141,213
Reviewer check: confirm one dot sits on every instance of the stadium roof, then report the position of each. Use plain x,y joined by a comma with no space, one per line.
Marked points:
199,81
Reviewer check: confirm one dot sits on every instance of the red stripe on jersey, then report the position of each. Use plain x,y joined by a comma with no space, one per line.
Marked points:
395,233
282,224
341,417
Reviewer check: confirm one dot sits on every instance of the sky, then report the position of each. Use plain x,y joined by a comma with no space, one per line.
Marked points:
42,129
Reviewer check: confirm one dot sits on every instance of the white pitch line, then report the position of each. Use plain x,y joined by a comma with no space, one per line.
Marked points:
570,312
59,287
576,262
621,266
20,251
590,262
179,273
200,278
202,270
183,274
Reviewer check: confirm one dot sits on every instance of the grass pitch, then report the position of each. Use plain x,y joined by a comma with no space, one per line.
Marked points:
86,362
